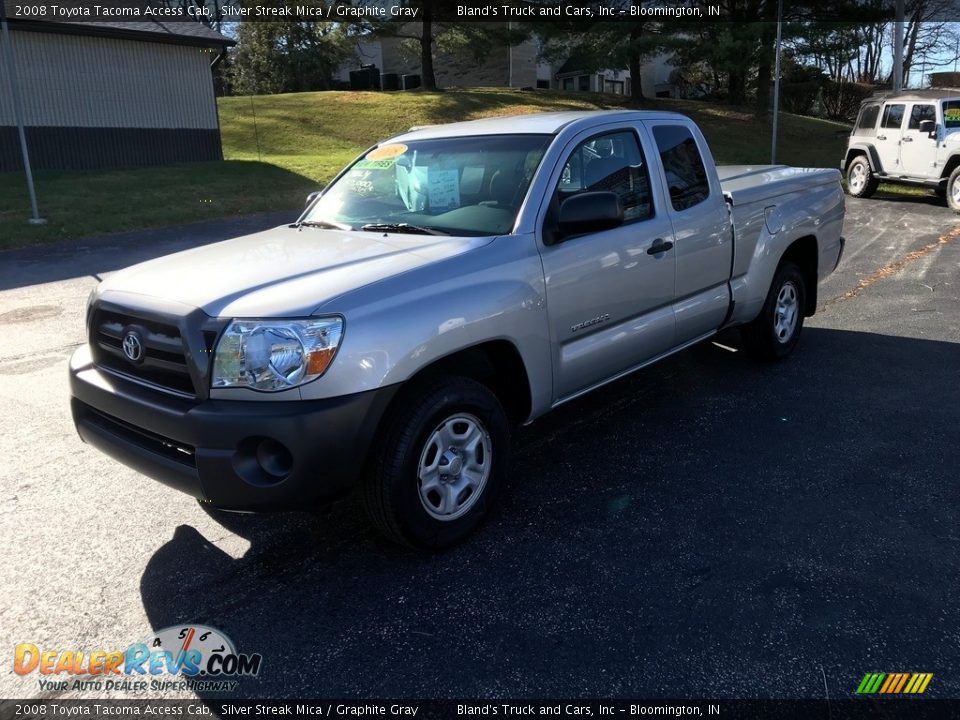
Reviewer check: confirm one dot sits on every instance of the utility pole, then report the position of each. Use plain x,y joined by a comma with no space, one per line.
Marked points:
898,48
776,84
510,56
11,74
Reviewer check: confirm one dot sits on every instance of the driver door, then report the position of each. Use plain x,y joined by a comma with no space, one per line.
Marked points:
609,298
918,151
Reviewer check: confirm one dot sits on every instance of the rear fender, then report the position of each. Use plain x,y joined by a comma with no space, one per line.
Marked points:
816,213
863,149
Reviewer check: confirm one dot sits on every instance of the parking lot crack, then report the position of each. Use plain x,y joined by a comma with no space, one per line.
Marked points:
892,268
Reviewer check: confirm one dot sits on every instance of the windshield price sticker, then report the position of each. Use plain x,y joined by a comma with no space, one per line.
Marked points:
386,152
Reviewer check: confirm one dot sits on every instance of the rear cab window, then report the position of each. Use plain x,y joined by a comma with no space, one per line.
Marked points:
683,166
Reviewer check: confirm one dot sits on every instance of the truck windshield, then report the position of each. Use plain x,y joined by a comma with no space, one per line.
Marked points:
453,186
951,114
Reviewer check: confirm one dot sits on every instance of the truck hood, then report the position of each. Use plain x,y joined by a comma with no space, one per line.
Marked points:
283,272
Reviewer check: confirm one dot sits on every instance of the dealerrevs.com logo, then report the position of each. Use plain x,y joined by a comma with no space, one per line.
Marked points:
182,657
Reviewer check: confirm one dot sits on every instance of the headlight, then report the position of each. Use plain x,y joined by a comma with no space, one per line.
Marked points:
275,354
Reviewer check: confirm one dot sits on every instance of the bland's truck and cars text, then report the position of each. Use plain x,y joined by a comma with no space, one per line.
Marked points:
452,281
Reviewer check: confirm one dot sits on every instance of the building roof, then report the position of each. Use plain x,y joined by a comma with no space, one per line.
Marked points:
549,123
180,32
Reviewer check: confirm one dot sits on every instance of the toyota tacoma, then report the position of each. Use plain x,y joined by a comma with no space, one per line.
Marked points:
450,283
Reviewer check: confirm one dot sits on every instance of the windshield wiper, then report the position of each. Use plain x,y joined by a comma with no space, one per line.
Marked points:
402,228
324,224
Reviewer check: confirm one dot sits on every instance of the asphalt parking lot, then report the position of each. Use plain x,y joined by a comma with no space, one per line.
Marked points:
707,528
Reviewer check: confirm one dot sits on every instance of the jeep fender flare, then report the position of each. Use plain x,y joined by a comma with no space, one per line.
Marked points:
863,149
949,165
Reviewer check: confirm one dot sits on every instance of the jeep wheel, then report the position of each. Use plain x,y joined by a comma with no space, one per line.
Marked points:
953,190
441,459
776,331
860,180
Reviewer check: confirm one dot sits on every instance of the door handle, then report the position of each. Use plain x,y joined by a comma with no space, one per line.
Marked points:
906,139
659,245
881,137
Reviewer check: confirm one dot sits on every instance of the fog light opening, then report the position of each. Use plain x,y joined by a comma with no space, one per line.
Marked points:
274,459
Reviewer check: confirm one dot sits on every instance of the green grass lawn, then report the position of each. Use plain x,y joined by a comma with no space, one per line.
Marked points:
299,141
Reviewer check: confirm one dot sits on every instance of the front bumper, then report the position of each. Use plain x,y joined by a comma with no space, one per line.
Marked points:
236,455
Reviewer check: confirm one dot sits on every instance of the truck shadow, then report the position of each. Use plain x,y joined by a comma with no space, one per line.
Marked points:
707,514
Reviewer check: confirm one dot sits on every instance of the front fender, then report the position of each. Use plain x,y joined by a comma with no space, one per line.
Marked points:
397,327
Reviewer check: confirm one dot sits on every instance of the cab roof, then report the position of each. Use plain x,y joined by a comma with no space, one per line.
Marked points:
549,123
916,95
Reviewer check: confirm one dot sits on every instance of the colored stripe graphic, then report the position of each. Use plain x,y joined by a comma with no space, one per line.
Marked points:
903,679
870,683
926,682
894,683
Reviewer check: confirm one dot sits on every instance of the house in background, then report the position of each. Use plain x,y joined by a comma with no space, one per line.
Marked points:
105,95
511,66
655,78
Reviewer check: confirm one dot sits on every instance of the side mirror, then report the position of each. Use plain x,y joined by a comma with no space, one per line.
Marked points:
311,197
590,212
929,127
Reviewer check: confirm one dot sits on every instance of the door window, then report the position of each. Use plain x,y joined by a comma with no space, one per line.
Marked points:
613,162
893,117
683,166
919,113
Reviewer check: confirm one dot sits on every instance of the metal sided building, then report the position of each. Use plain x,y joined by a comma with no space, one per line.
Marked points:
110,94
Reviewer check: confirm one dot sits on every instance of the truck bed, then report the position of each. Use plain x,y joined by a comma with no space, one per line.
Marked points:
745,184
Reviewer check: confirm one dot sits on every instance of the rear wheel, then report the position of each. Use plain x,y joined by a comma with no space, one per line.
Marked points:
860,179
776,331
953,190
440,463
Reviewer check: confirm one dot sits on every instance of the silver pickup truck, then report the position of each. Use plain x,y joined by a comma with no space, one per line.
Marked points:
450,282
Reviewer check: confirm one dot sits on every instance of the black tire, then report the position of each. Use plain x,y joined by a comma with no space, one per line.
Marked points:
391,483
861,181
953,190
761,336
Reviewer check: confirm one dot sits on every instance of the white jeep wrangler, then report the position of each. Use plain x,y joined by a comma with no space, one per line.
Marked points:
912,138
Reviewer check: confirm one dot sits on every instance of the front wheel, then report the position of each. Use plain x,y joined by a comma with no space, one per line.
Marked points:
953,190
441,460
776,331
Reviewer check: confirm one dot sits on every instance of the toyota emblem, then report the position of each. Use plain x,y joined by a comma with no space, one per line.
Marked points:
133,346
